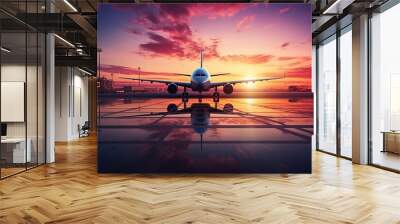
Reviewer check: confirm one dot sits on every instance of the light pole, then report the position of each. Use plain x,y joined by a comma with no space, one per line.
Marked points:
112,81
139,75
98,67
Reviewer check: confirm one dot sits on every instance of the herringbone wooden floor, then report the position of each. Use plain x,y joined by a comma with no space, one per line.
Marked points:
71,191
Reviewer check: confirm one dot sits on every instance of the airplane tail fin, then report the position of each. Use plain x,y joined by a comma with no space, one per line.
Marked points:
201,58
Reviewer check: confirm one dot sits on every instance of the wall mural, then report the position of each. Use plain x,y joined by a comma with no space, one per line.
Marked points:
205,88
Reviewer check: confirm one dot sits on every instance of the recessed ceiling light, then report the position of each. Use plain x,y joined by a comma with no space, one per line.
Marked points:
64,40
70,5
337,7
5,50
334,5
84,71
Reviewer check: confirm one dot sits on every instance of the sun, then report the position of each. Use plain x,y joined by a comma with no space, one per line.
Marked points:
250,85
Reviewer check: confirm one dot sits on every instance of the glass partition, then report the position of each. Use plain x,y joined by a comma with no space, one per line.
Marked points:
346,93
13,94
327,95
22,91
385,89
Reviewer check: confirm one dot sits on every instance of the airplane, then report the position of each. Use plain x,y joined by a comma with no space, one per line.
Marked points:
201,81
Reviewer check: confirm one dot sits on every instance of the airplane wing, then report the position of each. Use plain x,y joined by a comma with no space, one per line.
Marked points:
182,74
219,74
181,111
215,84
184,84
212,75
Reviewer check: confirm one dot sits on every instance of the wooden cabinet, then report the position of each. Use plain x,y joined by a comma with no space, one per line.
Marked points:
14,150
391,142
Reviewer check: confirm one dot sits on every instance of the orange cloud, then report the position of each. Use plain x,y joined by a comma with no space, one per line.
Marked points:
248,59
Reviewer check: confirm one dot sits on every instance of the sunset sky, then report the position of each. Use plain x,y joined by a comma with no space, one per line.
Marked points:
247,40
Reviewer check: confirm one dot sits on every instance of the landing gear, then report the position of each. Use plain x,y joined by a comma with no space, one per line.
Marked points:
185,96
200,98
216,96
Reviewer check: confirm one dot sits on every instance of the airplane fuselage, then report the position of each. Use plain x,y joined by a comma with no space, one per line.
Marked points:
200,80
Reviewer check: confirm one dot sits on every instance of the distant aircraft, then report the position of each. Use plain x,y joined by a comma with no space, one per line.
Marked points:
201,81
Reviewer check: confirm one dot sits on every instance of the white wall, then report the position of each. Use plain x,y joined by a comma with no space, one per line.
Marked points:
33,126
16,73
80,111
71,102
62,82
12,73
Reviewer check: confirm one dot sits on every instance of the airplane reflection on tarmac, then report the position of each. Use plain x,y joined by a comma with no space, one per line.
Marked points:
199,115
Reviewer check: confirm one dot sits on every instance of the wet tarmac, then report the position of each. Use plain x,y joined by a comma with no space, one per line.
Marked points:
236,135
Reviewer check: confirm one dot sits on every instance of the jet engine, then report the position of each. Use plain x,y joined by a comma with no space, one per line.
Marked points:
172,108
228,108
172,88
228,88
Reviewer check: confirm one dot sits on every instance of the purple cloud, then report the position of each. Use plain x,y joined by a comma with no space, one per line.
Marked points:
284,45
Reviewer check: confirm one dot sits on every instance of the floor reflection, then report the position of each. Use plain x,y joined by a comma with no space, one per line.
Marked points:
232,135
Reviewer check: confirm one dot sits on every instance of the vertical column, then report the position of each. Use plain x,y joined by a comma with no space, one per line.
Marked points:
50,92
92,89
360,89
338,91
63,101
50,98
314,90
